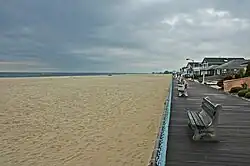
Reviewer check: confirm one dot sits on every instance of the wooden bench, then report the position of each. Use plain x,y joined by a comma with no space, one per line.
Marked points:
182,89
204,123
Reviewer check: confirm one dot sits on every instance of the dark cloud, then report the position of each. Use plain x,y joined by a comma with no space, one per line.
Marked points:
123,36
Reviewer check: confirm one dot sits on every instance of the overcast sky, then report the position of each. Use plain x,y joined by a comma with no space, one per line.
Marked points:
119,35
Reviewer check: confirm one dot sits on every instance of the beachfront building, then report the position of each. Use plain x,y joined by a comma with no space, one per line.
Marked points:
231,67
184,71
210,65
194,68
245,64
214,67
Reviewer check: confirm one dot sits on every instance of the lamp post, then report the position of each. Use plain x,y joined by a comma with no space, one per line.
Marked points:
203,73
188,59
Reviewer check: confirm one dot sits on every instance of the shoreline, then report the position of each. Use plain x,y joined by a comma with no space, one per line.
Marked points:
80,76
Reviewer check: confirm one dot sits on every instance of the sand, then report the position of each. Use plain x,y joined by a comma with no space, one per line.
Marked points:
80,121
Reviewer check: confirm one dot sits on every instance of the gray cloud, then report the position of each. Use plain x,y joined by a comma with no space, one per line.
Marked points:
122,36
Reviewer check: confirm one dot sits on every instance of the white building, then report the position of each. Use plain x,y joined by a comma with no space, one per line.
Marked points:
194,68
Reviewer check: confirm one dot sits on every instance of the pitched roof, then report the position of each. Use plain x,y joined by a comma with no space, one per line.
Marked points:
193,63
219,61
246,62
233,64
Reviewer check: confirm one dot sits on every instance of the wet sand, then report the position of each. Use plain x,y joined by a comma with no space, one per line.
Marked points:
80,121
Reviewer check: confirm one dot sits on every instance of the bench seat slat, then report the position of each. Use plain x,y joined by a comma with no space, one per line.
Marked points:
190,117
197,119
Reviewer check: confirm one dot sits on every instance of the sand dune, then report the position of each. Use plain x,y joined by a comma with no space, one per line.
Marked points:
80,121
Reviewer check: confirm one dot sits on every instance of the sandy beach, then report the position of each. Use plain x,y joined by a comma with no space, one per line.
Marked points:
80,121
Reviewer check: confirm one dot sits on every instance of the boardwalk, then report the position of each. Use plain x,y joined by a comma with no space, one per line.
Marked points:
234,128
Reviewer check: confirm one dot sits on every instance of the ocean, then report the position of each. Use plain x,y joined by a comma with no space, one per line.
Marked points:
50,74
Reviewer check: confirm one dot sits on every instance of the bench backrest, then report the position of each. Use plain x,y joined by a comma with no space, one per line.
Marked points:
210,112
181,87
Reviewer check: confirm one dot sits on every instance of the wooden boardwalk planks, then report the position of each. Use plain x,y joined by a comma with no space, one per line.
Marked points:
234,131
